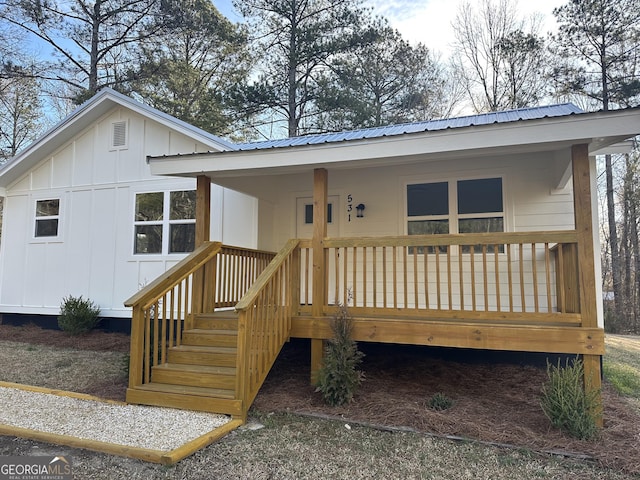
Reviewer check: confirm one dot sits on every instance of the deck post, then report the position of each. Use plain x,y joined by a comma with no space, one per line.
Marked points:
587,279
203,227
320,201
203,210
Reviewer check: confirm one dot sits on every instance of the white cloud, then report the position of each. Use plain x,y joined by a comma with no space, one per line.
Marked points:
429,21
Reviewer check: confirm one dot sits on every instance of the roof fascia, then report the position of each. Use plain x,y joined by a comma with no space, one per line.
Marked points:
598,129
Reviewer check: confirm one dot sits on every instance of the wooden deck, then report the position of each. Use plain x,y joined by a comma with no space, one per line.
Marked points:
190,350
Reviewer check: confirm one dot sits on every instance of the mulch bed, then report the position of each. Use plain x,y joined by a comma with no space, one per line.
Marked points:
96,340
493,401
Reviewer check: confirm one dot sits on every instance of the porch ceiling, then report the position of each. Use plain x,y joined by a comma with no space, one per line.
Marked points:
599,130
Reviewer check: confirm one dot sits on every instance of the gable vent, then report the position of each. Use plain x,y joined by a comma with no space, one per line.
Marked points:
119,134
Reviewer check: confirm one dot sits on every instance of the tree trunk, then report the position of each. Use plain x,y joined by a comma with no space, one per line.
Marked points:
95,39
613,240
291,75
635,247
611,207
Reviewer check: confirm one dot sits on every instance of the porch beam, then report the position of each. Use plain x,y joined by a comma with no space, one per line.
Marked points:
525,338
320,202
203,209
586,260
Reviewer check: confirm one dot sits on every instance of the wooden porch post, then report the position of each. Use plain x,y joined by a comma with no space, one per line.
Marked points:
203,209
320,200
587,278
203,223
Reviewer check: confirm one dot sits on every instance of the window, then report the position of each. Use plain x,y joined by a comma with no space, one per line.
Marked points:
480,206
47,217
463,206
119,135
165,222
428,208
308,213
182,223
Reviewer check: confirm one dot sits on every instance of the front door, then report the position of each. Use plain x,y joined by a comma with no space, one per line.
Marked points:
304,230
304,217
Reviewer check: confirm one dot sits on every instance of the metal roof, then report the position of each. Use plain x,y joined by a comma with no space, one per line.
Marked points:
506,116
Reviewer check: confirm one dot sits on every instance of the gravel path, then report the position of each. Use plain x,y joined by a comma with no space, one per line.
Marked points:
162,429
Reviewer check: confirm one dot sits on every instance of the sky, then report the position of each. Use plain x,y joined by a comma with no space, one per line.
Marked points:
429,21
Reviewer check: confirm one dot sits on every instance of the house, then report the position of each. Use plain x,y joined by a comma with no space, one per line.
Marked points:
474,232
84,216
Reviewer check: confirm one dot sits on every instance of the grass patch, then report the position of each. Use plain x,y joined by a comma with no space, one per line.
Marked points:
621,367
621,364
624,378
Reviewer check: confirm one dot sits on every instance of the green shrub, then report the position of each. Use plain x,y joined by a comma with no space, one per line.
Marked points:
339,377
567,403
126,361
78,315
440,401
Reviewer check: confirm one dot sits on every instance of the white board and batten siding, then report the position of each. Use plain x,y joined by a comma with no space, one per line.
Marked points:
96,183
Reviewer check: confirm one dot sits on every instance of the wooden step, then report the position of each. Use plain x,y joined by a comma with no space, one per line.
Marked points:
187,398
195,375
202,355
225,320
210,338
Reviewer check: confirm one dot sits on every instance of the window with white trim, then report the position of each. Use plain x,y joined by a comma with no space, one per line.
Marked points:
47,219
462,206
165,222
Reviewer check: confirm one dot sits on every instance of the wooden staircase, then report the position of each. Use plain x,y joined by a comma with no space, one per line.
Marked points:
213,362
200,373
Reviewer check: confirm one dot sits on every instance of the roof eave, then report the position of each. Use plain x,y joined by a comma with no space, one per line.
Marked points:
597,129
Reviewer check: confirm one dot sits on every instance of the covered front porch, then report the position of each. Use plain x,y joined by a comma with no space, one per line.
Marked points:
524,291
206,334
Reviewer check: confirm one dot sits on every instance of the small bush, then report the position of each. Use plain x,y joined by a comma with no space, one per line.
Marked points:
78,315
567,403
440,401
126,361
339,377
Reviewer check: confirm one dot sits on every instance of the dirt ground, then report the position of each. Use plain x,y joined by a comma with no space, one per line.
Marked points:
493,401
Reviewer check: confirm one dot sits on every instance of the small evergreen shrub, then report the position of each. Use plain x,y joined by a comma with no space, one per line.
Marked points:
78,315
566,402
440,402
339,378
126,360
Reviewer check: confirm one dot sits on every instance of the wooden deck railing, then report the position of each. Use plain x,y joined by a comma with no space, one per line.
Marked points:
500,276
213,276
264,321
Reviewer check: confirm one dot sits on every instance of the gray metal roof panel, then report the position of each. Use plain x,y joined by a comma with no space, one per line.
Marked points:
530,113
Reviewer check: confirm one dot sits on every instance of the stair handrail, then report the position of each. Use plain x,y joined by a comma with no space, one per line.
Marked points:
146,306
250,296
161,285
251,375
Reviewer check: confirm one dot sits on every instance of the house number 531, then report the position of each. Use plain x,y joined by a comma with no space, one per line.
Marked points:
349,206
